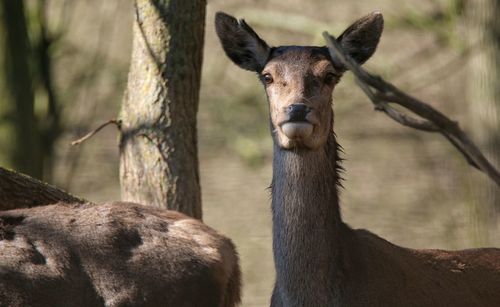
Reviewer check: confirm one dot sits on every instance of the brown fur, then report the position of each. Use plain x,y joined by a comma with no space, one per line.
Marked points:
114,254
319,260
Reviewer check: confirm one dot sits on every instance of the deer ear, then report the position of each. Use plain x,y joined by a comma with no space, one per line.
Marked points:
361,39
241,43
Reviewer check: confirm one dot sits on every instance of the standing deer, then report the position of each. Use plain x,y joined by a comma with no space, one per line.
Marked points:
319,260
114,254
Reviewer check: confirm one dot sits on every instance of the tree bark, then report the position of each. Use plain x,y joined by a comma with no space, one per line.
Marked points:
158,144
483,93
19,138
21,191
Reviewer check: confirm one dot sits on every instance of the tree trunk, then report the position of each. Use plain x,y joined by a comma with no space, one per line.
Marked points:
19,139
49,121
484,106
21,191
158,145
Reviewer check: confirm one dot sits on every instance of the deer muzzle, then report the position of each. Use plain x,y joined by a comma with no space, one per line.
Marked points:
296,126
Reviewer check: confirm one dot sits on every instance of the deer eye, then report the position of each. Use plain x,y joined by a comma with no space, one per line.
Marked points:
267,78
330,77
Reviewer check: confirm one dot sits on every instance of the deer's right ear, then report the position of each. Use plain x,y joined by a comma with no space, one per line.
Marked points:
241,43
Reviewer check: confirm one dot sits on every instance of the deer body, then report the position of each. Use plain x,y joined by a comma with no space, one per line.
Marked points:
319,260
114,254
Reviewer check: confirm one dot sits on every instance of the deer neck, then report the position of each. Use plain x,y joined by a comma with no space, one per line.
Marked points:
306,225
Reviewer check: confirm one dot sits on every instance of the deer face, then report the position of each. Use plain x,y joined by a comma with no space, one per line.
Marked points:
298,80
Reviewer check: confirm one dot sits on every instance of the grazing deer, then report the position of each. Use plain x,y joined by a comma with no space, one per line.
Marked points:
319,260
115,254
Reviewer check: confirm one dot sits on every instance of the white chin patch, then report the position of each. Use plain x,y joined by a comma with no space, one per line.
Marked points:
297,130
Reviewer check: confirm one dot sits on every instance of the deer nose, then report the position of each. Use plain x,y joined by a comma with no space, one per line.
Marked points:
297,112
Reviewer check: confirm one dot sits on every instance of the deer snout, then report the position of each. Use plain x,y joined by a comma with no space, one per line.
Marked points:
297,112
296,125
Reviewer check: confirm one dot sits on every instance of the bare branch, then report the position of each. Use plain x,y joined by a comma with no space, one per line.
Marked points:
382,93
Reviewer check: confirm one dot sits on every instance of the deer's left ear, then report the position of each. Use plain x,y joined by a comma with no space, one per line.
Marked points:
360,40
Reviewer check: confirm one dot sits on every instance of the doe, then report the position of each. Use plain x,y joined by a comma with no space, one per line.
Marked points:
319,260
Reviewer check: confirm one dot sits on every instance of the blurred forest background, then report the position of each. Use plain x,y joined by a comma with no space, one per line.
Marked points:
65,64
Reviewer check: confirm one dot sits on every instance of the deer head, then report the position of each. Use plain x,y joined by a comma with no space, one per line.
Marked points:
299,80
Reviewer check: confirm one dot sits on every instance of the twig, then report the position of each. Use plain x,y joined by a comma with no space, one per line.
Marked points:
93,132
382,93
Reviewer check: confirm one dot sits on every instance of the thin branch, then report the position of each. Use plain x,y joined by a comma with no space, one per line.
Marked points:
403,119
382,93
93,132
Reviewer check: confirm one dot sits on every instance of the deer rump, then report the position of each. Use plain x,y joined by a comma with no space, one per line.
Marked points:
114,254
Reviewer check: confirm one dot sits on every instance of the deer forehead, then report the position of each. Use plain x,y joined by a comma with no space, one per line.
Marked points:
295,61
